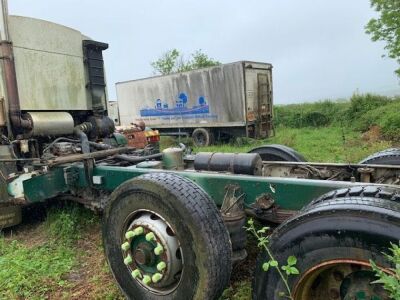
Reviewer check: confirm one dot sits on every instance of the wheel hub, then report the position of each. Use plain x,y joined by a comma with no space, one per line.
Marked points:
152,253
144,255
357,286
340,280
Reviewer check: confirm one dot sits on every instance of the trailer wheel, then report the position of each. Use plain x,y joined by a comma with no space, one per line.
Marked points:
165,239
386,157
333,240
202,137
276,152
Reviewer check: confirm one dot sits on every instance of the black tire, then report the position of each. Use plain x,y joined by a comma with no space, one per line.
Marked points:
356,224
196,222
386,157
202,137
277,152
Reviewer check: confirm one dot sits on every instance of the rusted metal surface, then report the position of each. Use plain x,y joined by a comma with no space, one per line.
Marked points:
259,98
273,215
385,174
93,155
330,276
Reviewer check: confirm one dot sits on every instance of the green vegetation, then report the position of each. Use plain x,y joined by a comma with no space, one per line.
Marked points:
62,257
387,27
263,243
391,282
238,291
173,61
325,144
360,113
32,272
317,114
46,260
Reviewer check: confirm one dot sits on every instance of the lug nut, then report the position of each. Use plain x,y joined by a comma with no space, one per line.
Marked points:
161,266
146,279
136,273
156,277
129,234
158,250
150,237
128,260
139,230
126,246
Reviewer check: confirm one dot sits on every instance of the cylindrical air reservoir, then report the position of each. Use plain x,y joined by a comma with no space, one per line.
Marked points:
173,158
237,163
51,123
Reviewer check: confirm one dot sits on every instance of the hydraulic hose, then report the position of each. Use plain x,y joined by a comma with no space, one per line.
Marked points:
137,159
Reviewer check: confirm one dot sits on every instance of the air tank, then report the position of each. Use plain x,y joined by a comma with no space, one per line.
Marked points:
237,163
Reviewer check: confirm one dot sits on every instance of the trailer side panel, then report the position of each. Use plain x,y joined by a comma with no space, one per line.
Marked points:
209,97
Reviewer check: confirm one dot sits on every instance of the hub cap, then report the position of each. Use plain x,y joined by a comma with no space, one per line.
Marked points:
152,253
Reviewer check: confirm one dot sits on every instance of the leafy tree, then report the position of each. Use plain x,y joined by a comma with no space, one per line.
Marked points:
173,61
387,27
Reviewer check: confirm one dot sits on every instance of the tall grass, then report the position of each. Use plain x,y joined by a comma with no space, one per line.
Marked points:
360,112
325,144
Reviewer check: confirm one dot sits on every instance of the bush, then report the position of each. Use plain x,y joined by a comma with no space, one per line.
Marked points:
360,113
361,104
322,113
387,117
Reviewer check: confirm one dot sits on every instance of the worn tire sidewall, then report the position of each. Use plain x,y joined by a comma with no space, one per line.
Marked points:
208,137
312,242
166,204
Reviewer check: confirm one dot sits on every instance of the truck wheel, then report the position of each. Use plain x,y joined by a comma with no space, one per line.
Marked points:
333,240
276,152
165,239
202,137
386,157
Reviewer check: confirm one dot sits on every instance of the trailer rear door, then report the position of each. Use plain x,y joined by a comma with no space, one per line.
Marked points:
258,78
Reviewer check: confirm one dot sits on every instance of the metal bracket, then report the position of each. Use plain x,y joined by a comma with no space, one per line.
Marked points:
232,201
88,165
71,176
264,202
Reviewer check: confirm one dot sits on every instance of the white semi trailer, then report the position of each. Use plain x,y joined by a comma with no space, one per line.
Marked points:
232,99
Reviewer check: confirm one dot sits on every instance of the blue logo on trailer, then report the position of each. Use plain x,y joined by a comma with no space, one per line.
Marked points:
161,108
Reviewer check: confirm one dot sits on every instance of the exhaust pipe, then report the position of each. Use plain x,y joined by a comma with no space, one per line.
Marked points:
18,122
80,132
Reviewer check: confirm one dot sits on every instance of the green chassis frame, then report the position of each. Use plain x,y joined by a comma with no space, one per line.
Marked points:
285,193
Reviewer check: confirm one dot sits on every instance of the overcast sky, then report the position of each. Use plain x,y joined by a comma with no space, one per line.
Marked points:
318,48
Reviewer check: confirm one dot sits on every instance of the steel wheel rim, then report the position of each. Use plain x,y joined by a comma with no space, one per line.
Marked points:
340,279
159,272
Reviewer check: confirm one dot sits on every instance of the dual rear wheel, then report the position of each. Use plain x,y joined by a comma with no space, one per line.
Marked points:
165,239
334,239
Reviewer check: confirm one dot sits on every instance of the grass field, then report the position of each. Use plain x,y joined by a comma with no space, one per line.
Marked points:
324,144
57,252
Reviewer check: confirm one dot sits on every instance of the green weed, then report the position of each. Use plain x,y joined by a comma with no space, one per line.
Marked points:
34,271
64,224
391,282
238,291
30,273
